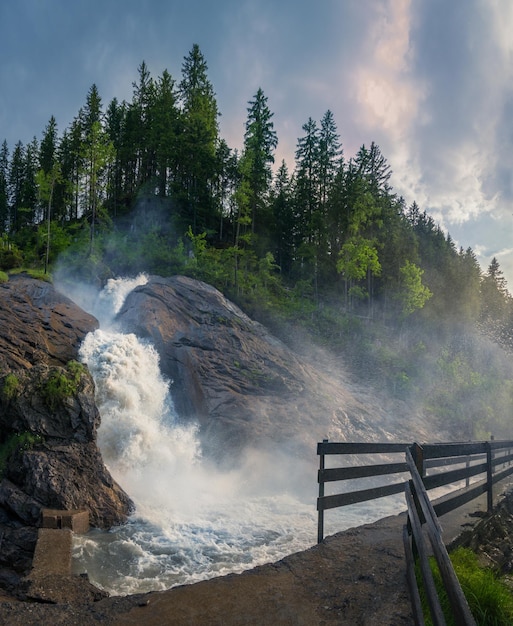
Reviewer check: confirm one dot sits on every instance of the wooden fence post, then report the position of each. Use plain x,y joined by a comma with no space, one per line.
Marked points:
418,457
320,519
489,481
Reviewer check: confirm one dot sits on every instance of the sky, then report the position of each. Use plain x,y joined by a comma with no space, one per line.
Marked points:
429,81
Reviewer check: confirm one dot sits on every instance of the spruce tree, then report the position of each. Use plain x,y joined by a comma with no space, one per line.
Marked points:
4,191
114,127
197,144
307,180
330,156
260,141
164,132
48,147
15,186
284,223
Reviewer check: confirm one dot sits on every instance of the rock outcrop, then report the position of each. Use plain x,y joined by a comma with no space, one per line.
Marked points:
48,419
38,324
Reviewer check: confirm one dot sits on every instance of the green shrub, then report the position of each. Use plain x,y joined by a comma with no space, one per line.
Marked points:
62,384
75,369
11,387
10,256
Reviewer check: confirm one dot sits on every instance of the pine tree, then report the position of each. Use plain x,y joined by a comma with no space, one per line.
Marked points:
466,285
15,185
114,127
4,190
197,145
98,154
91,113
65,197
140,140
46,182
32,209
283,232
373,166
226,181
494,294
307,180
330,156
164,132
48,147
260,141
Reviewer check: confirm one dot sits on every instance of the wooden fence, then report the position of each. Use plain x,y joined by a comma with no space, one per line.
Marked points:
326,475
428,466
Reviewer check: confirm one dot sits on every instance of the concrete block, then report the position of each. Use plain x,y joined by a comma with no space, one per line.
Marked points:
76,520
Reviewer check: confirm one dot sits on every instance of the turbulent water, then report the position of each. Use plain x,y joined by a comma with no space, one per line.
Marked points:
192,520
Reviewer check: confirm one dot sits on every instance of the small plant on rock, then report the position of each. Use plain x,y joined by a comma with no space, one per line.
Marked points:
11,387
15,442
62,384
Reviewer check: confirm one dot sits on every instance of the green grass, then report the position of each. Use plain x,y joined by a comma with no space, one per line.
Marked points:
489,598
34,273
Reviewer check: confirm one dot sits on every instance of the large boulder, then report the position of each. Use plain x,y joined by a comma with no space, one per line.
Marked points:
223,366
239,381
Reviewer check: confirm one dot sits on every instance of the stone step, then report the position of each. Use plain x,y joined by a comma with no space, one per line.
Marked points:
53,552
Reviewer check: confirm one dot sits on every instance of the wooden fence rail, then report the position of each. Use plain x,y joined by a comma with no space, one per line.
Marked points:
428,466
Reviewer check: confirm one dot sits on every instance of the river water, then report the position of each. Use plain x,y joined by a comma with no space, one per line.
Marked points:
193,520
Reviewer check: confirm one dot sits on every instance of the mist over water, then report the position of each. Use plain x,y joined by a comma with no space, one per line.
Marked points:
193,520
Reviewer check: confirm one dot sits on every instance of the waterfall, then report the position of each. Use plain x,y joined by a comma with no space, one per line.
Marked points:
192,521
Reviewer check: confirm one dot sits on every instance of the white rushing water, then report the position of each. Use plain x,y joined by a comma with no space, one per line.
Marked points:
192,520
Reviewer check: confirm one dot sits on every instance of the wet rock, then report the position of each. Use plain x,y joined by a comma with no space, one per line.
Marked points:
17,544
38,324
61,589
492,537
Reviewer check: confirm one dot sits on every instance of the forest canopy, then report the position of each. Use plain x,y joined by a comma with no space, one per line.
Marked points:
150,185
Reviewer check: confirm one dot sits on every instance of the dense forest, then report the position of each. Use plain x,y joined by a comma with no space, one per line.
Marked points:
149,185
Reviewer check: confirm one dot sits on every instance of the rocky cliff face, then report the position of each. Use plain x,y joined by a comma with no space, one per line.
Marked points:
48,419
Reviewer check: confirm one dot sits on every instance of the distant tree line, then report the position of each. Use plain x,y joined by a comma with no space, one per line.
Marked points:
150,184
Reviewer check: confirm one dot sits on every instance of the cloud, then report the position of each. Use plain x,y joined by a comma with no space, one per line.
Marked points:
388,96
464,65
